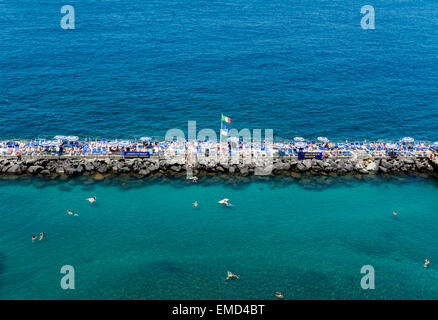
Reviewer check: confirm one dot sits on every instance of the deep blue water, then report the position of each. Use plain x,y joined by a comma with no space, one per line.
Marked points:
135,68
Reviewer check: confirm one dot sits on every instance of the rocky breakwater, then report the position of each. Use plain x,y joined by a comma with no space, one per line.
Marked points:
102,167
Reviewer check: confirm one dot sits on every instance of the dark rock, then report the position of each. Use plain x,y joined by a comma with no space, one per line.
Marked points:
45,172
14,169
35,169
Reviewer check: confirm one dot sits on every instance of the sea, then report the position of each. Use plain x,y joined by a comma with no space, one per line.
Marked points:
139,68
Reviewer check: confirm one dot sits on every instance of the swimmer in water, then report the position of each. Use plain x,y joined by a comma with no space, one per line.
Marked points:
70,213
195,179
42,235
195,204
225,201
394,213
91,200
230,275
33,238
279,295
426,263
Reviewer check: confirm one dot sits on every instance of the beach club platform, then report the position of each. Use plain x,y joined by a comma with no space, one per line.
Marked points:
143,157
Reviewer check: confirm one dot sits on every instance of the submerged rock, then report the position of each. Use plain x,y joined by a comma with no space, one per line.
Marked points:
98,176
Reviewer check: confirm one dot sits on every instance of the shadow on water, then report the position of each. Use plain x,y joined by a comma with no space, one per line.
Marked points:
166,266
2,268
306,181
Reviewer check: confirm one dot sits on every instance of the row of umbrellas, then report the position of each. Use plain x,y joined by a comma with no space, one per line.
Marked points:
297,139
300,141
76,138
325,139
68,138
321,139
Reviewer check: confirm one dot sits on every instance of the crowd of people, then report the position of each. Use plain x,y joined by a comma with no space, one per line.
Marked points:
242,148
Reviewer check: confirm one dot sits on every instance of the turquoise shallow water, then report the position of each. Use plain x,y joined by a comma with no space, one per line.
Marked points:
145,240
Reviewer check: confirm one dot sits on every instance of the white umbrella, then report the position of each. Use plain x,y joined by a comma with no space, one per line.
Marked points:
143,139
323,139
113,143
299,139
435,144
124,143
55,143
60,137
72,138
300,145
233,139
391,146
407,139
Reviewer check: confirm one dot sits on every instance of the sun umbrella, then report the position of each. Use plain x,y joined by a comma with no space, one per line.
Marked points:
143,139
72,138
60,137
124,143
391,146
407,139
323,139
299,139
113,143
300,145
55,143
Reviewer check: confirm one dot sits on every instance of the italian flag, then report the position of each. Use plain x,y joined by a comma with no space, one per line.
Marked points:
226,119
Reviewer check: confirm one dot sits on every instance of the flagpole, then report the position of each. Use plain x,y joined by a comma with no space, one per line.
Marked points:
220,137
